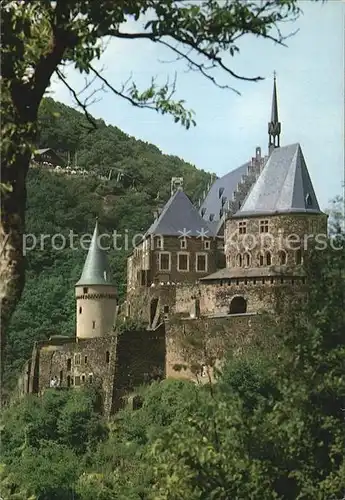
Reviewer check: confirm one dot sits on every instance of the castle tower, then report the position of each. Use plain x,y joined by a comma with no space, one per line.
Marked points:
274,126
96,296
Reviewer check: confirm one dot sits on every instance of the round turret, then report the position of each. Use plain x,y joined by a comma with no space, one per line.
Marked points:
96,294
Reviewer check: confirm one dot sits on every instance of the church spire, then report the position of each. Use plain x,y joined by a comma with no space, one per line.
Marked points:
274,126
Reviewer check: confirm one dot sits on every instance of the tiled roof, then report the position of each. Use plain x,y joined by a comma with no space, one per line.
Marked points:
283,186
222,189
179,215
96,268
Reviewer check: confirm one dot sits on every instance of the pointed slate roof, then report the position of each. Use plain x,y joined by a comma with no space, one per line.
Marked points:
283,186
179,215
220,189
96,268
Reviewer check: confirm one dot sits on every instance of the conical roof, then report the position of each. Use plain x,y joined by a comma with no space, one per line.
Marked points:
96,268
179,217
283,186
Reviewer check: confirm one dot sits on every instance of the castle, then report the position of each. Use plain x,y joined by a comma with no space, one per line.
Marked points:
203,280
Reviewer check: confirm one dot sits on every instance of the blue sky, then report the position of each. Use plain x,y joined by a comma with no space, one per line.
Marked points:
310,80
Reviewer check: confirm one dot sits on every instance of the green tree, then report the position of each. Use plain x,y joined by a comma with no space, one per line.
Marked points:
44,442
276,428
38,38
47,475
79,425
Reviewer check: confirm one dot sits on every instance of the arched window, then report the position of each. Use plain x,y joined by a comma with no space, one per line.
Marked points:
268,259
69,364
246,260
239,260
238,305
282,257
298,256
261,259
107,357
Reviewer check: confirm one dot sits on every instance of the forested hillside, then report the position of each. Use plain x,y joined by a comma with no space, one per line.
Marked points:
58,204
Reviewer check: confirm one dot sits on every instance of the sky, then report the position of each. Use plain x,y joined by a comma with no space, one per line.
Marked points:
310,84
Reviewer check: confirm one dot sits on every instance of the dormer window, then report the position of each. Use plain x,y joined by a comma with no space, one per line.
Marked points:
220,192
211,217
221,213
224,198
203,210
159,242
183,243
308,200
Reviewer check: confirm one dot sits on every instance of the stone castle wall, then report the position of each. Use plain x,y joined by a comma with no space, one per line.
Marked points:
140,359
138,304
215,299
285,233
116,363
192,345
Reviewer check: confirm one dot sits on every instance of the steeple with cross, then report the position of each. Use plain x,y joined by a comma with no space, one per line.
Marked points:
274,126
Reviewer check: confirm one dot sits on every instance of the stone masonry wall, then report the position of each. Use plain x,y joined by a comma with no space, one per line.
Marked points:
194,343
117,363
139,302
140,359
286,233
260,295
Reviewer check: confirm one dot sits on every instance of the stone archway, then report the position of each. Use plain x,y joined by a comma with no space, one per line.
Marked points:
238,305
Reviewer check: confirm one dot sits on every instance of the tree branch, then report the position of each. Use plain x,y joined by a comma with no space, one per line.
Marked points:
120,93
78,101
197,66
